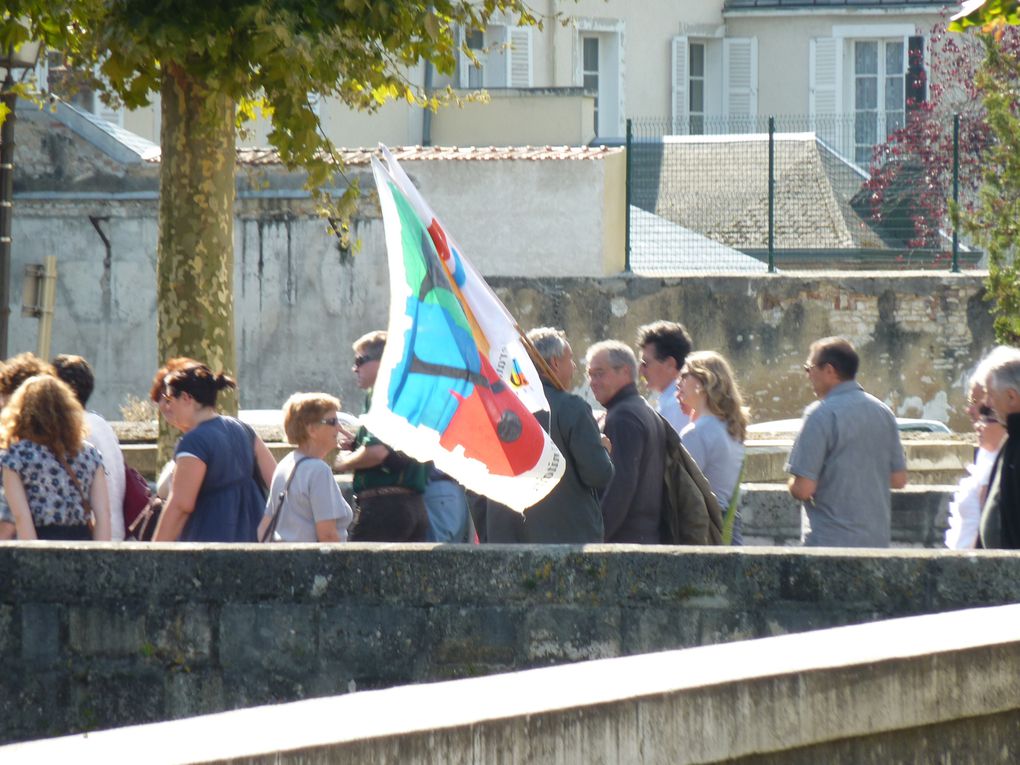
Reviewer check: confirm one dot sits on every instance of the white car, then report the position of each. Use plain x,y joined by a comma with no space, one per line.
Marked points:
905,424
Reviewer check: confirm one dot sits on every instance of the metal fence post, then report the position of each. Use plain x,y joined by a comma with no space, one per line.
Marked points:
629,180
956,194
772,195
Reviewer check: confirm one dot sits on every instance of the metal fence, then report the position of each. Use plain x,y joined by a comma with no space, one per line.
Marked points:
784,192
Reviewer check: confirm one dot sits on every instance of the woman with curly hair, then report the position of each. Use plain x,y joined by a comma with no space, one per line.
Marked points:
715,436
53,479
214,496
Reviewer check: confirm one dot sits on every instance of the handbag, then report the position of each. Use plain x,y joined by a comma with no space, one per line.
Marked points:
271,528
90,514
256,474
143,527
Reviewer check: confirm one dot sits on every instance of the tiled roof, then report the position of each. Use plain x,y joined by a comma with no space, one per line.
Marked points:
739,5
352,157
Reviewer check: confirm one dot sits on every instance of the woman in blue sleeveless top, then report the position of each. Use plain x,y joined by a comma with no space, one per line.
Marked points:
214,496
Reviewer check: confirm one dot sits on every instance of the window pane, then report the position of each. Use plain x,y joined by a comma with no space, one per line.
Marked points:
866,93
866,58
591,54
697,96
475,78
697,124
475,39
893,93
862,155
866,128
894,58
591,83
697,59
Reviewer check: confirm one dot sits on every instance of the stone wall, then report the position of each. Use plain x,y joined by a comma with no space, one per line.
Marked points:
919,335
98,636
914,690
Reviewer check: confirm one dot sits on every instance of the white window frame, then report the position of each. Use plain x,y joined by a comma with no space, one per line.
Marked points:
607,29
882,112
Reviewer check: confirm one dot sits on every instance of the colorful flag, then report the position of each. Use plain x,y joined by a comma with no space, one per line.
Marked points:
456,385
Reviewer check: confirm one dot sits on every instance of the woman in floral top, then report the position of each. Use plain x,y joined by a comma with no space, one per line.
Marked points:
42,428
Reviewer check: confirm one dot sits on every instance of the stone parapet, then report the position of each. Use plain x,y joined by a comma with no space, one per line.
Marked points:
102,635
905,690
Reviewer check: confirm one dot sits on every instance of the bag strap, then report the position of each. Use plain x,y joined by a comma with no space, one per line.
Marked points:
271,528
77,485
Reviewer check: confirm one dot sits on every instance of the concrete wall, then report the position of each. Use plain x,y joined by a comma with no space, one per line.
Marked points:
875,693
104,635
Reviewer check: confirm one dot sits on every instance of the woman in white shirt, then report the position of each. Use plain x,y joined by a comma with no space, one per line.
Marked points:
314,510
715,436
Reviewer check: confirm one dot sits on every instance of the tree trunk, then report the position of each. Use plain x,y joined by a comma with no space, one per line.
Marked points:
195,264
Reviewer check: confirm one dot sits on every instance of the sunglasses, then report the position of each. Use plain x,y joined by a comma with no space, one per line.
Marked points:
984,410
360,361
331,421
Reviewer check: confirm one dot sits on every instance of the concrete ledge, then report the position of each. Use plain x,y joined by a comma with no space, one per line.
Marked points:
772,517
829,695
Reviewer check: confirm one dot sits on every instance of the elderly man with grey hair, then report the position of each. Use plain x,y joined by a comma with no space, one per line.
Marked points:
570,514
1000,515
632,504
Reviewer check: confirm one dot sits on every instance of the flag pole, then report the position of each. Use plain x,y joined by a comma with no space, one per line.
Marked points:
538,360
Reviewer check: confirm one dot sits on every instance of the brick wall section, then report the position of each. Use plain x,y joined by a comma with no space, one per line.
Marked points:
101,636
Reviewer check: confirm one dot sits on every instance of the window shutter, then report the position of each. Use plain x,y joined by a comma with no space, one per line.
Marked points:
519,70
740,83
825,72
679,93
825,101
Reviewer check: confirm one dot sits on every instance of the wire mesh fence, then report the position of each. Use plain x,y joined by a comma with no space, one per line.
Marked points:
789,192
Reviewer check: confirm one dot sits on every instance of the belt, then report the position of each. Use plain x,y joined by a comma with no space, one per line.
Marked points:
383,491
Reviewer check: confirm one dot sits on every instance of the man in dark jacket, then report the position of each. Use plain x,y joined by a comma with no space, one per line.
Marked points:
1000,516
632,504
570,513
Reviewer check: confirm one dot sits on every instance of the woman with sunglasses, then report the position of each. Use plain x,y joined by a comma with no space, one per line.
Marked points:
214,494
715,435
305,504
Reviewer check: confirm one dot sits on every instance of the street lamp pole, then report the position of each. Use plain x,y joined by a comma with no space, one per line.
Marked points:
10,99
23,57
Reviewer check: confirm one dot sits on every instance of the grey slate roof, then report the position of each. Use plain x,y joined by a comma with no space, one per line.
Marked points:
739,5
718,187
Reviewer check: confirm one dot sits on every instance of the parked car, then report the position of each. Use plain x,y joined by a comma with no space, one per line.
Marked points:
905,424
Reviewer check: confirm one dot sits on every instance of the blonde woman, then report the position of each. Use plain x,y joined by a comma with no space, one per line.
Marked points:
51,475
313,510
715,436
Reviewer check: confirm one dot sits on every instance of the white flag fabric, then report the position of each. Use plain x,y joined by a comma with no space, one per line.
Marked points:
455,385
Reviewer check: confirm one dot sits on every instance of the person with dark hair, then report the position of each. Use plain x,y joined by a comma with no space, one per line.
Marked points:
663,347
214,496
77,373
847,456
52,477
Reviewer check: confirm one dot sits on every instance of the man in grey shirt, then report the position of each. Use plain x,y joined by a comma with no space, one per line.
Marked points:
847,456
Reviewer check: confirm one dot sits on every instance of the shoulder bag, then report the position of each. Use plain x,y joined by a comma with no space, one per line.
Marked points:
271,528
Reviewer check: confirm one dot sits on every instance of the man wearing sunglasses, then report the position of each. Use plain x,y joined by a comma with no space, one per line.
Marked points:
847,456
388,485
